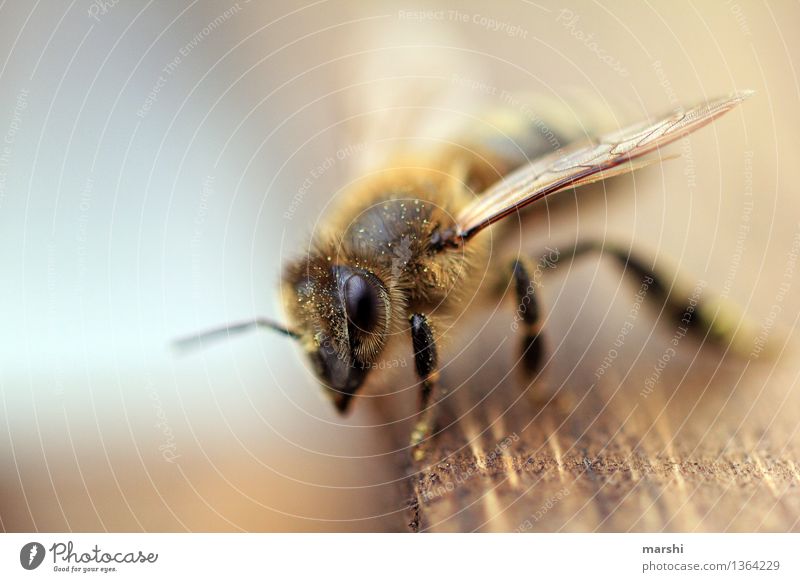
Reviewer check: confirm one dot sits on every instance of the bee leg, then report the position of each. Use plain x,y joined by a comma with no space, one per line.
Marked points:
689,306
532,347
426,363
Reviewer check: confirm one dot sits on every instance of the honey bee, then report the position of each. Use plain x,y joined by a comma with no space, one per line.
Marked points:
402,252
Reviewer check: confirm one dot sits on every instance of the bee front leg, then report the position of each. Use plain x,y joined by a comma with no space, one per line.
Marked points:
426,362
528,314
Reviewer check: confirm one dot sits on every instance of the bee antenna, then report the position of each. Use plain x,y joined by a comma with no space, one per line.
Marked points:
199,339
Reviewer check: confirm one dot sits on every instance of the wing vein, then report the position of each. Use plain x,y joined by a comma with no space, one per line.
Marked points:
611,155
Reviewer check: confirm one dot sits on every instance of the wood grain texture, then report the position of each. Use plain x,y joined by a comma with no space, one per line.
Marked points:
714,447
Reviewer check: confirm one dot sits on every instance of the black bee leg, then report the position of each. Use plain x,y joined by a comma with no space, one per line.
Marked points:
527,316
426,362
690,306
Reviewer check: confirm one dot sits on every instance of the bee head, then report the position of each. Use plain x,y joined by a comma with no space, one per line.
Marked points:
342,315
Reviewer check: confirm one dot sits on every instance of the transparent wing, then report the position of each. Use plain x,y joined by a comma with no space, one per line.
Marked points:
610,155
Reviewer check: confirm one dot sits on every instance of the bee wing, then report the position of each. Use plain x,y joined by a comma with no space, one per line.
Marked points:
610,155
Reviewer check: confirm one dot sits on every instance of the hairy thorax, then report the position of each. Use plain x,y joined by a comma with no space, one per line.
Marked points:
385,224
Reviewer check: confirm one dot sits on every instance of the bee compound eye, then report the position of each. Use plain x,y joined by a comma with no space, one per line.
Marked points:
361,303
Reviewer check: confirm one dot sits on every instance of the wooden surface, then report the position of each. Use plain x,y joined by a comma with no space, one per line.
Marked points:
712,448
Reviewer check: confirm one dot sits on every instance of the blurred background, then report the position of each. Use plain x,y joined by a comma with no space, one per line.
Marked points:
159,161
